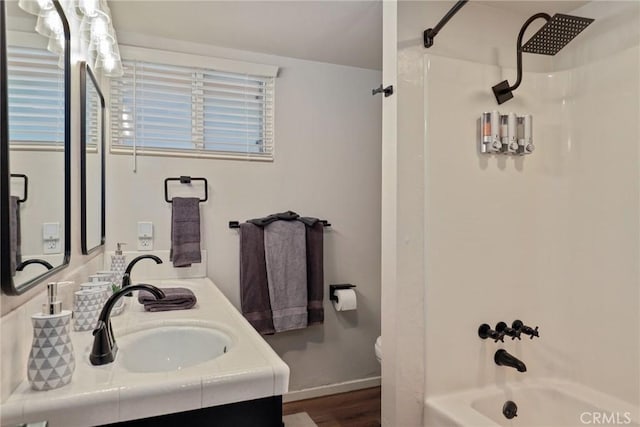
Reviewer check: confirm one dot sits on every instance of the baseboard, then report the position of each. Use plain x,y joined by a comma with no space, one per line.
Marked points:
325,390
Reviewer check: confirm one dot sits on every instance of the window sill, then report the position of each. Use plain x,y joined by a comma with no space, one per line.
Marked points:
195,154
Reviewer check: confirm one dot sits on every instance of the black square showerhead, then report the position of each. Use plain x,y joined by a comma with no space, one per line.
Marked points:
556,34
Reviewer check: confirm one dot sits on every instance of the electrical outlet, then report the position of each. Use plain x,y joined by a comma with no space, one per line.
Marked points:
145,236
51,246
51,238
145,244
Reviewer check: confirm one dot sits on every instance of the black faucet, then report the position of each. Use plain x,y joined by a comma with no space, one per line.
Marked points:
104,348
503,358
126,278
22,265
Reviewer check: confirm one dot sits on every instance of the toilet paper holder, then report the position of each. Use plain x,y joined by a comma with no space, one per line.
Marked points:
334,288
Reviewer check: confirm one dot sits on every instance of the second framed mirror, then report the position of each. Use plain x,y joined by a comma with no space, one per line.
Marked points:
92,161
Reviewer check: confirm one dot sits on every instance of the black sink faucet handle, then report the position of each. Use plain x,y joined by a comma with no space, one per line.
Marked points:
512,332
485,331
527,330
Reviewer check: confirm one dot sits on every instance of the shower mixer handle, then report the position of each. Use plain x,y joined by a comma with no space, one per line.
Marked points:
485,331
512,332
527,330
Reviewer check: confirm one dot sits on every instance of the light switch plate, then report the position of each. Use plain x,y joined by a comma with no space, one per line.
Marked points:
145,236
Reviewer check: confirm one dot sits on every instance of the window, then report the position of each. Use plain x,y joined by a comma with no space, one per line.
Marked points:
162,108
36,98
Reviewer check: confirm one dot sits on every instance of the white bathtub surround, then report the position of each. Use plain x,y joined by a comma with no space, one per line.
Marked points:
551,239
542,402
111,393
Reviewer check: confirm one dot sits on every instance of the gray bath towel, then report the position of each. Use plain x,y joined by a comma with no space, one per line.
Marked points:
15,249
185,231
175,299
254,289
285,255
315,271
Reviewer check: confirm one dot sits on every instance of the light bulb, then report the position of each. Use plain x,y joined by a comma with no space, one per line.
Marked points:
49,24
108,63
105,46
45,4
99,27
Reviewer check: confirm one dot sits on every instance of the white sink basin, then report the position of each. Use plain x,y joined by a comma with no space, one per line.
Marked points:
170,348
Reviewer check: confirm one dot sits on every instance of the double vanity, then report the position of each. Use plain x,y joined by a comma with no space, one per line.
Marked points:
205,363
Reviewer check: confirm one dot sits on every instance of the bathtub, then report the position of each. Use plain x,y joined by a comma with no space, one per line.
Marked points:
541,403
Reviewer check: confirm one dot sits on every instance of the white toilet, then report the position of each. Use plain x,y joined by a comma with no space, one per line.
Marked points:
378,347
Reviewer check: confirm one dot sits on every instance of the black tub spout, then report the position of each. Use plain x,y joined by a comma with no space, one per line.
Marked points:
503,358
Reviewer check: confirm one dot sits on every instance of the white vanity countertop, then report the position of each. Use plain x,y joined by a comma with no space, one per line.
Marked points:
108,394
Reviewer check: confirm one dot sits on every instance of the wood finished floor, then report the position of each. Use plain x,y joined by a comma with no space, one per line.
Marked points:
359,408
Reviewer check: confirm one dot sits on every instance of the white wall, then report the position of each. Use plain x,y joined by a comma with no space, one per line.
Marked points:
45,198
15,324
327,164
546,238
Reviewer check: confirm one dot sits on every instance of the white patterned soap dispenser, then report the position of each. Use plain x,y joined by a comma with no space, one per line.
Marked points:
118,264
51,360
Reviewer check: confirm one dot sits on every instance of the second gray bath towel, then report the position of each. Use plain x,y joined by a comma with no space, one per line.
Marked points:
254,290
286,259
185,231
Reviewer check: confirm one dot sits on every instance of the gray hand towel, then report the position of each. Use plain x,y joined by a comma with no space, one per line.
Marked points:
15,250
285,255
175,299
185,231
254,289
315,272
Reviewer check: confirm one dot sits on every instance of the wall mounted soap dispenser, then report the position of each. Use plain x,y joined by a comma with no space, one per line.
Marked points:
51,360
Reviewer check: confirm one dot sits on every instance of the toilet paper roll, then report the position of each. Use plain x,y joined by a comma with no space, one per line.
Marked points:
346,300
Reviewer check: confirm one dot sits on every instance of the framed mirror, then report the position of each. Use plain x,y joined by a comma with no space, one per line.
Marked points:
35,160
92,158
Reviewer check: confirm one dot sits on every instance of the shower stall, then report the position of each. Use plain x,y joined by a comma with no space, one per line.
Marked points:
551,238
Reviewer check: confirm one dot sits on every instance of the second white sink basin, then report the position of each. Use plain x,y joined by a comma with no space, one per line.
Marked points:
170,348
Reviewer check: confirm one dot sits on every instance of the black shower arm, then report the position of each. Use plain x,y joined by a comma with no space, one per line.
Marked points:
519,47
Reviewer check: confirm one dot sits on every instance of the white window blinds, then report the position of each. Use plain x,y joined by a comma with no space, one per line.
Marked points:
156,108
36,97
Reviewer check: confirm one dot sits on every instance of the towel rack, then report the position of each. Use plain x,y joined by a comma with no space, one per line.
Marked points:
26,185
236,224
186,180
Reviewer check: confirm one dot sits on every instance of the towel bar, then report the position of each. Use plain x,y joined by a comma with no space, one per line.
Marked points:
236,224
26,185
184,179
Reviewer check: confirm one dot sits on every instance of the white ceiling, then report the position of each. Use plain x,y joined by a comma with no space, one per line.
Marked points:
339,32
526,8
334,31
